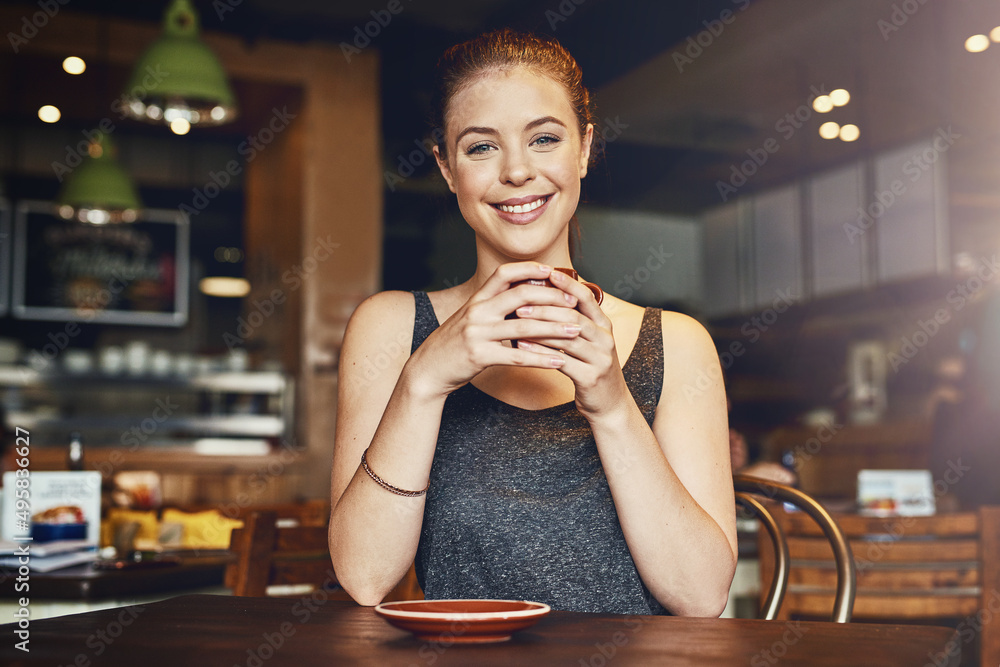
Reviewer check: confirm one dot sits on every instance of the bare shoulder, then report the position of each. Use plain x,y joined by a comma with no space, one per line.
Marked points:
683,335
379,332
689,353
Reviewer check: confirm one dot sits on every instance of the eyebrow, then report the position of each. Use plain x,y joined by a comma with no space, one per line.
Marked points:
491,131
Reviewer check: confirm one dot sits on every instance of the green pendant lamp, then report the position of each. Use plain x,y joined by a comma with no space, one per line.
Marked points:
99,191
178,80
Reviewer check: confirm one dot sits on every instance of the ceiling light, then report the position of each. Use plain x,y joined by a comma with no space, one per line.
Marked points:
180,126
995,34
180,77
849,132
829,130
224,286
977,43
823,104
74,65
99,191
840,97
49,114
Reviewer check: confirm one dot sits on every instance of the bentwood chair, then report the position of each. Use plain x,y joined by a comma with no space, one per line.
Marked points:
748,489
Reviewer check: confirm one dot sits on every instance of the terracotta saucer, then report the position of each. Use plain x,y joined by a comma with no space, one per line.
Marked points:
462,621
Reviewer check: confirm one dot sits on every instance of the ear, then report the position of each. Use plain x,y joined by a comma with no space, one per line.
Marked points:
442,164
588,140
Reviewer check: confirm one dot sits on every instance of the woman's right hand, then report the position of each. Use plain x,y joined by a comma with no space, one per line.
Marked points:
477,335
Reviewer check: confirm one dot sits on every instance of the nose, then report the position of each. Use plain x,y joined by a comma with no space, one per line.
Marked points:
517,167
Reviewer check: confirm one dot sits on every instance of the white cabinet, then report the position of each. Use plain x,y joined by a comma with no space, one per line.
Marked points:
909,209
838,252
726,276
777,246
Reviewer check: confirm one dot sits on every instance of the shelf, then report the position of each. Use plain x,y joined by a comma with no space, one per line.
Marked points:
249,382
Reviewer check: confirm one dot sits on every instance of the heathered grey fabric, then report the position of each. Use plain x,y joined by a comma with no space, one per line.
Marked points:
519,506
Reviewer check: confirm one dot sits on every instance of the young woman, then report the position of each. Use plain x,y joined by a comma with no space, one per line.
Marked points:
586,467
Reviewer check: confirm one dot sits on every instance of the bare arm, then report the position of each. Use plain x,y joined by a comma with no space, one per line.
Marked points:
674,495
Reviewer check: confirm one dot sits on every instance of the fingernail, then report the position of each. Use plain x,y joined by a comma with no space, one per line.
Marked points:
545,267
556,362
557,277
525,310
570,299
572,329
525,345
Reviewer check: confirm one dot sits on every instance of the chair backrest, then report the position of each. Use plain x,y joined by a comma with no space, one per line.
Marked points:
846,578
268,555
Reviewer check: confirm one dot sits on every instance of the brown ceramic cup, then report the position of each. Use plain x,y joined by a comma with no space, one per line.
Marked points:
545,282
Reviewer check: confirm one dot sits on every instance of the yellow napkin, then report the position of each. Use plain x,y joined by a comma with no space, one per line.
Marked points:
203,530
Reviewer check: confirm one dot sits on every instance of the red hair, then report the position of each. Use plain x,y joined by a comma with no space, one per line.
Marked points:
499,52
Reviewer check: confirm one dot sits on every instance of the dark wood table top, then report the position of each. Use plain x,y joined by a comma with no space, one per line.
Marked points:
85,582
195,630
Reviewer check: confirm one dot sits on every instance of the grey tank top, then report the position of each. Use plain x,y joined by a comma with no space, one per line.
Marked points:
519,505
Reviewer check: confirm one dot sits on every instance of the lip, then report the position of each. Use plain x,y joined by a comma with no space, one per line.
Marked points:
522,218
517,201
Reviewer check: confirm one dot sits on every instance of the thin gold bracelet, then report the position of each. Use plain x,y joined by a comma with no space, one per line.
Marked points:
386,485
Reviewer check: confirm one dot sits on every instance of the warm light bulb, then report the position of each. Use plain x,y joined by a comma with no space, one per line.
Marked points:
977,43
995,34
849,132
823,104
223,286
74,65
180,126
49,114
829,130
840,97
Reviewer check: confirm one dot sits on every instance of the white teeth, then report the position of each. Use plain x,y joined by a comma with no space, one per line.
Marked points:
522,208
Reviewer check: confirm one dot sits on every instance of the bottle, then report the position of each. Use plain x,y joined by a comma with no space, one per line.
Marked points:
74,458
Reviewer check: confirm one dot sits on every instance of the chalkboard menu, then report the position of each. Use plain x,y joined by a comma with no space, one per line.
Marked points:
128,273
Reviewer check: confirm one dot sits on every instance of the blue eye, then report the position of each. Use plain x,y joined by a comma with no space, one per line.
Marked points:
478,149
547,140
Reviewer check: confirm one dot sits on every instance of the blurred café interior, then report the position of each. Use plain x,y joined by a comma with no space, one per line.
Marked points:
811,180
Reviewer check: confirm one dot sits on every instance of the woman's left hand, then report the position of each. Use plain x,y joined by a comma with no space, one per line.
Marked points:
591,358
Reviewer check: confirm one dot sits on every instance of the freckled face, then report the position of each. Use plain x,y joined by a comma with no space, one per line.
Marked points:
515,160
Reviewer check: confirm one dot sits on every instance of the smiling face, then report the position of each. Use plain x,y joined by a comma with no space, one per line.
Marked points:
515,160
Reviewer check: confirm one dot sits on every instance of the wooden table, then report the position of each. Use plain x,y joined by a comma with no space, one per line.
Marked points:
85,582
195,630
